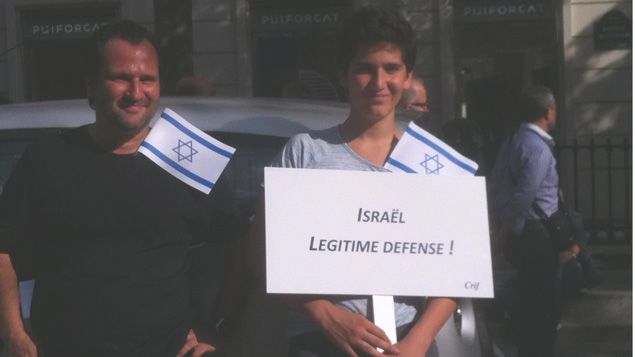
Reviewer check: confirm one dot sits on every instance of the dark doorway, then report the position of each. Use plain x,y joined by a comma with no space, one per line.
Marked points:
296,66
293,48
173,19
495,61
55,70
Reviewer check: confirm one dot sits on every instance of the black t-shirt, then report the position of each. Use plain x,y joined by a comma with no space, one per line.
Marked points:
106,237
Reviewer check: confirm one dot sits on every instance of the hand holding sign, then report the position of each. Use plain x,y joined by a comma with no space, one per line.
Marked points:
349,331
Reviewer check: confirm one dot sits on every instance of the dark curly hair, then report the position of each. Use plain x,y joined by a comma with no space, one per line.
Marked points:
368,26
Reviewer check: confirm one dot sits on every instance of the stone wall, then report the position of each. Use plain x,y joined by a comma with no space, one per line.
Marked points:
598,83
598,106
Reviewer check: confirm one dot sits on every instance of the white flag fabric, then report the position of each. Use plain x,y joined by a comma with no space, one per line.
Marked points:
421,152
186,152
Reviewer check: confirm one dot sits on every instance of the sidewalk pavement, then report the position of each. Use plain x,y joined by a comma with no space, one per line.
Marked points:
598,322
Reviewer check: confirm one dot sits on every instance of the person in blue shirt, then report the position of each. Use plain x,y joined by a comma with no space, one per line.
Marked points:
525,174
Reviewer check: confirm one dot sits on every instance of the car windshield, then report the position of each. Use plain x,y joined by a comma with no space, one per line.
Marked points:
244,173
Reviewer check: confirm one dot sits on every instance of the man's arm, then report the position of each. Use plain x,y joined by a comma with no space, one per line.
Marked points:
420,337
12,329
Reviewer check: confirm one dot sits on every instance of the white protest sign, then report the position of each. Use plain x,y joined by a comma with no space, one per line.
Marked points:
367,233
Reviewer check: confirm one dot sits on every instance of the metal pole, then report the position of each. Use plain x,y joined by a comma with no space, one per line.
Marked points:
593,210
575,174
628,223
609,149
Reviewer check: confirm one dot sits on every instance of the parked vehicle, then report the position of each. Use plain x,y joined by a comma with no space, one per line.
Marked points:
258,128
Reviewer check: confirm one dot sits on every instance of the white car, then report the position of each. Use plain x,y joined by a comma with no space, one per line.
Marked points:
258,128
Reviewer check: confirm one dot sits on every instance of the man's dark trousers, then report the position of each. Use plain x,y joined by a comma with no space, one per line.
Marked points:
539,305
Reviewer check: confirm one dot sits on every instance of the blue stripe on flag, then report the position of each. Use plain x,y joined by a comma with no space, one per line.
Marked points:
440,150
178,167
401,166
191,134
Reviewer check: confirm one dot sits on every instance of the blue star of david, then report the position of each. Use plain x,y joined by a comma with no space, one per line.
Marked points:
185,151
432,164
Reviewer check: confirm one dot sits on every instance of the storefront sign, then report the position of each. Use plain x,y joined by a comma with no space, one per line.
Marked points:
369,233
614,31
289,19
59,30
502,10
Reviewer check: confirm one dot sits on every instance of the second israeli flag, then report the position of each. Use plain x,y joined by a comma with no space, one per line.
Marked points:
421,152
186,152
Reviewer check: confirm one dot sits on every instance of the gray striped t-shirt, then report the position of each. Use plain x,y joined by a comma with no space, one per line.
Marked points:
326,149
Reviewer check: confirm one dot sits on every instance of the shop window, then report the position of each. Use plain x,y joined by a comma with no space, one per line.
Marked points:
55,42
293,46
173,19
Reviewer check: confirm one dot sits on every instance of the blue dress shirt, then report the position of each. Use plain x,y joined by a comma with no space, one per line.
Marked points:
524,172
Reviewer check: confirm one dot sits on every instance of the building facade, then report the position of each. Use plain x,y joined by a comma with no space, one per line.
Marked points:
474,56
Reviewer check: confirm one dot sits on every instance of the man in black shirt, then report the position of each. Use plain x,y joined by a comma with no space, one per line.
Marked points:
104,230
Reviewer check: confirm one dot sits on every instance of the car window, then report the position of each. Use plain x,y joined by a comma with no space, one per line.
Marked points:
245,172
10,153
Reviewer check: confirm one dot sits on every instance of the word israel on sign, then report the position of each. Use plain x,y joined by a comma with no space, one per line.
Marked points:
421,152
186,152
318,242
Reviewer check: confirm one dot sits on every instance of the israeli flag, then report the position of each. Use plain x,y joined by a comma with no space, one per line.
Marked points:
186,152
420,152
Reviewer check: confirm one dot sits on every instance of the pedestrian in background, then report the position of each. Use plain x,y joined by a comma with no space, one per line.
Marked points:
524,182
415,97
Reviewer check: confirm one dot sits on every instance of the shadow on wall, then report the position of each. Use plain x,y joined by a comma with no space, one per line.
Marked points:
601,82
596,162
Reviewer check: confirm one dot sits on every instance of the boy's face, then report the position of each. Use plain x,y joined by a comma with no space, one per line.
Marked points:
375,79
